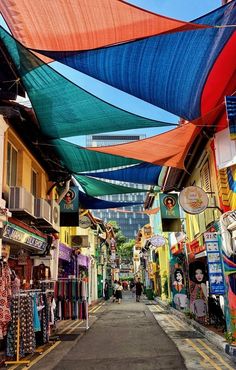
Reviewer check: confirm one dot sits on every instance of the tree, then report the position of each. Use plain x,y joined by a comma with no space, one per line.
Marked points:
124,247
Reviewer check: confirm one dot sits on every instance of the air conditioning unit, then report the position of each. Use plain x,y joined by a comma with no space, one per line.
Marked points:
55,215
21,201
42,210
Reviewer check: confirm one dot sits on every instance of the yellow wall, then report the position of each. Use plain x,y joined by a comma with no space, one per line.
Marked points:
26,163
164,267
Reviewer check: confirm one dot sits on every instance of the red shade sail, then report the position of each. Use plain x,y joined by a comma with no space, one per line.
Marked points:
61,25
168,149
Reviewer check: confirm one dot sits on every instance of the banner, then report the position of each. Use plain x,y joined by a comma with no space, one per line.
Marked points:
215,268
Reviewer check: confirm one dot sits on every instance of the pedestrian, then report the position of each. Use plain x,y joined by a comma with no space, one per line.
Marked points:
139,289
119,292
115,286
106,290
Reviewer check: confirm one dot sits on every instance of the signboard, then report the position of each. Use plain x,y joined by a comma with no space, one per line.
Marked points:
17,234
169,206
84,222
70,202
215,270
193,200
158,241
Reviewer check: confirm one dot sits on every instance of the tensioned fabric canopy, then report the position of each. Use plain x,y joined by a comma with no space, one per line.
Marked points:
96,187
70,110
186,73
168,149
82,24
143,173
78,159
88,202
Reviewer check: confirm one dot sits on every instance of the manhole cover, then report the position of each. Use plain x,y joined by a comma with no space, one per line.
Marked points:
68,337
186,334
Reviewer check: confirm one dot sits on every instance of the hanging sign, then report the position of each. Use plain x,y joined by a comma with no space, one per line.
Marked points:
70,202
193,200
215,269
84,222
169,206
158,241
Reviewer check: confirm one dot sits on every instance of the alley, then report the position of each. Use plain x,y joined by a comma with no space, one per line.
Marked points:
131,336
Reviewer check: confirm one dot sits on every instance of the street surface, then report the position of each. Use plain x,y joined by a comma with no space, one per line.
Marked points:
131,336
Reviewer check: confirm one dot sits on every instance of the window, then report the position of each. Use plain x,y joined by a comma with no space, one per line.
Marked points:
11,165
34,183
205,177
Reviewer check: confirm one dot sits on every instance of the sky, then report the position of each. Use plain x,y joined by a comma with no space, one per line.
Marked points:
179,9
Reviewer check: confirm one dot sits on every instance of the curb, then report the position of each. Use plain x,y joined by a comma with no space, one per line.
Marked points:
212,337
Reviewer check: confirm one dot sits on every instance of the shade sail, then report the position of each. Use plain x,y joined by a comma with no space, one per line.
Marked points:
168,149
143,173
82,24
186,73
78,159
95,187
88,202
62,108
230,102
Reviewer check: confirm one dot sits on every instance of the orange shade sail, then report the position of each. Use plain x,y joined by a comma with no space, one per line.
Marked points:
168,149
62,25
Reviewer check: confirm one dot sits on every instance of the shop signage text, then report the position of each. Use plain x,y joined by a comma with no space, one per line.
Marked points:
193,200
14,233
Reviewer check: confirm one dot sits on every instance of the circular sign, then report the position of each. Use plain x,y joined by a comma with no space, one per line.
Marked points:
193,200
84,222
158,241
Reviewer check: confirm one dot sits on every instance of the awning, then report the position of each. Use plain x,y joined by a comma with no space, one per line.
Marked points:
71,110
168,149
88,202
82,24
185,73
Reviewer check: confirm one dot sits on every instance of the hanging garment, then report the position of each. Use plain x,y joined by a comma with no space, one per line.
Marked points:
5,293
37,325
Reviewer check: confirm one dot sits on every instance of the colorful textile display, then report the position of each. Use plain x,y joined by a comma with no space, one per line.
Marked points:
5,293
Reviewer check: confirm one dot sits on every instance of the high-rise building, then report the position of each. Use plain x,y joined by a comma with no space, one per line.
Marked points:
130,222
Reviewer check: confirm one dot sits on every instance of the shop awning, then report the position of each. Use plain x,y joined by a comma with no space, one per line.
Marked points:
96,187
168,149
71,110
82,24
185,73
143,173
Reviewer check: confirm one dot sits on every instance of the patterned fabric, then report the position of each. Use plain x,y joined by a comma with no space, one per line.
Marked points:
21,308
5,292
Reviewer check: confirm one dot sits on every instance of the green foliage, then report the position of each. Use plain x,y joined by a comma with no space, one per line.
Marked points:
229,337
124,247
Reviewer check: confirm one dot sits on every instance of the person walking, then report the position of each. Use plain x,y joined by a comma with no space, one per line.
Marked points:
139,289
106,290
115,286
119,292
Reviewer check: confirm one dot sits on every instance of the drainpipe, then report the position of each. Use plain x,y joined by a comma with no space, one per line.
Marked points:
3,211
67,187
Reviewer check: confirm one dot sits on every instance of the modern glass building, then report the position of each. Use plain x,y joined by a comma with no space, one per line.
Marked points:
129,222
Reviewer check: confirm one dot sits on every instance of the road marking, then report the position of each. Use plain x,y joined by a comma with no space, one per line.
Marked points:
75,327
97,308
207,358
33,362
215,354
68,326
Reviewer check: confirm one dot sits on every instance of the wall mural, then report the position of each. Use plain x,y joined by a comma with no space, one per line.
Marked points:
198,290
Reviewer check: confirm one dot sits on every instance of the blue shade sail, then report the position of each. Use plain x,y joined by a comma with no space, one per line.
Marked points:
230,102
169,71
88,202
62,108
143,173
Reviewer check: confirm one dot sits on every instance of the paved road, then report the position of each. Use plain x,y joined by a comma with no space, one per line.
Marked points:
125,336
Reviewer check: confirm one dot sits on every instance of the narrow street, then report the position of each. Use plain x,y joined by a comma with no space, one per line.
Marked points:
130,336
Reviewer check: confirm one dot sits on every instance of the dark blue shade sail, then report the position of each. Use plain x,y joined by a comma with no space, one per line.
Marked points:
169,71
143,173
88,202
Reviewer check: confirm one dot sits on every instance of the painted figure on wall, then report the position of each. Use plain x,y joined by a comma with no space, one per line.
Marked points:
198,290
179,290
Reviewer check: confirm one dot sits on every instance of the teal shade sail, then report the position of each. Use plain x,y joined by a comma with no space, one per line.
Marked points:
96,187
62,108
78,159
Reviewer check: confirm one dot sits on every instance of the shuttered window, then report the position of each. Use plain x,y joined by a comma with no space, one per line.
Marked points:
205,178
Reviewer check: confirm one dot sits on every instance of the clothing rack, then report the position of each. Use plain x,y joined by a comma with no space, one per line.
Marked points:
18,360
